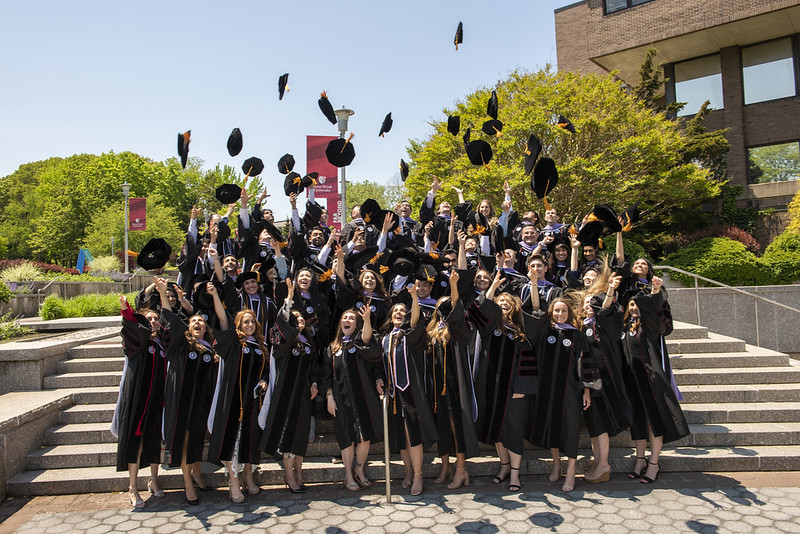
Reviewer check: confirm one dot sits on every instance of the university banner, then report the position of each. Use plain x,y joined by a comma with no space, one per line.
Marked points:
327,190
138,213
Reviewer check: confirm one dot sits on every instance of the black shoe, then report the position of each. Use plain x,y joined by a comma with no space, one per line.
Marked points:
633,475
514,488
190,501
646,479
497,479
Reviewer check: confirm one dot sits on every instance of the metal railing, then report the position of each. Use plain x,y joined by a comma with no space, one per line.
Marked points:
50,283
756,298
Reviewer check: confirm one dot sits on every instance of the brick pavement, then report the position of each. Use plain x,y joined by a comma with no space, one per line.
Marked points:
707,503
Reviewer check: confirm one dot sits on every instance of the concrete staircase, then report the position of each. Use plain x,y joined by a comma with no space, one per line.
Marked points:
742,403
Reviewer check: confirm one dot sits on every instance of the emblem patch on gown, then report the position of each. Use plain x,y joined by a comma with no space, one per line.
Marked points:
551,339
359,305
308,350
151,350
246,350
310,309
510,335
338,353
567,343
263,253
296,352
162,354
193,355
590,332
372,308
206,357
205,317
443,283
351,350
498,332
258,351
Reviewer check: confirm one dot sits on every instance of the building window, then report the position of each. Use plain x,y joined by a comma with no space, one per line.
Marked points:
768,71
618,5
696,81
773,163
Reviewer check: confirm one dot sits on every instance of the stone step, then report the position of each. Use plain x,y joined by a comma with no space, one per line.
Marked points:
96,395
688,331
90,365
80,380
740,375
73,456
714,343
79,433
762,412
88,413
741,393
753,357
105,348
680,459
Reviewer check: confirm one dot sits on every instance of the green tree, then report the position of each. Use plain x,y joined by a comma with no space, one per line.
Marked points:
776,163
387,195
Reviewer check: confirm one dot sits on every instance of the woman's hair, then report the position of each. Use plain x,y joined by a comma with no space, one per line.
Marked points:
603,276
571,316
387,326
313,289
380,289
436,334
208,337
628,321
336,344
491,208
552,262
649,274
513,318
258,334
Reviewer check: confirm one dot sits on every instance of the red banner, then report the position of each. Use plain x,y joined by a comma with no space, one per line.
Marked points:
138,213
327,190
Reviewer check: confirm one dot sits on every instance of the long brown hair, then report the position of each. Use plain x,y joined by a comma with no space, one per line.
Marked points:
436,334
337,343
258,334
380,289
626,318
513,318
571,318
208,337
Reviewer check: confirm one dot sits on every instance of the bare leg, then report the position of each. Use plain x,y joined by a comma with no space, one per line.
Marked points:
247,475
288,471
197,474
298,470
556,473
152,484
655,451
415,457
460,477
133,490
641,460
186,469
513,480
234,489
590,472
569,481
409,476
505,464
445,470
362,451
348,456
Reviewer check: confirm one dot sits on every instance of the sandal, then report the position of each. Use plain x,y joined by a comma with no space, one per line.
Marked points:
633,475
556,479
514,488
498,479
644,479
418,492
407,482
154,489
463,482
234,497
352,486
136,501
363,482
444,475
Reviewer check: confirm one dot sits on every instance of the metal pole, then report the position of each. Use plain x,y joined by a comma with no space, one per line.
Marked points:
343,210
386,451
758,338
125,251
697,299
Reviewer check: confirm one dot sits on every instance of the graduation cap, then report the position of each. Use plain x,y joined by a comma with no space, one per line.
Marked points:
309,180
403,170
245,276
462,210
439,233
459,38
292,184
565,123
326,107
590,232
154,255
478,223
453,124
252,166
606,214
479,152
235,142
532,149
630,217
354,261
395,219
228,193
387,125
426,271
183,146
545,178
491,106
403,261
493,127
340,152
286,164
283,85
202,299
370,210
312,215
273,231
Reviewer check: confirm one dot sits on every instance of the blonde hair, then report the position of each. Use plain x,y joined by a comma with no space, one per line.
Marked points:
436,334
337,343
571,318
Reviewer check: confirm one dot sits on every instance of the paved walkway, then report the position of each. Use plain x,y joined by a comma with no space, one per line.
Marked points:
712,503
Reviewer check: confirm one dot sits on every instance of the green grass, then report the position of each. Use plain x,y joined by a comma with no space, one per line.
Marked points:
10,328
55,307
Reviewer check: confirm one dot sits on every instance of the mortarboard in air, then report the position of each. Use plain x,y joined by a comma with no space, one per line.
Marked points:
228,193
479,152
493,127
183,146
252,166
154,255
532,149
309,180
630,217
340,152
403,261
235,142
565,123
459,38
609,218
283,86
544,179
326,107
453,124
293,183
370,210
590,232
403,170
386,125
491,106
286,164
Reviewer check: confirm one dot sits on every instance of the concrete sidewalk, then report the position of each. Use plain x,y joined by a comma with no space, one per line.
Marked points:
708,503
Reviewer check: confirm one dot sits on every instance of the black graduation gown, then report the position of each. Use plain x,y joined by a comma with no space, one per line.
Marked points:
190,379
289,418
350,373
453,391
141,396
242,367
350,294
647,376
610,410
409,408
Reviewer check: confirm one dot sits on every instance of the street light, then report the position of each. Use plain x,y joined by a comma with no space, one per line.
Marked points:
343,114
126,190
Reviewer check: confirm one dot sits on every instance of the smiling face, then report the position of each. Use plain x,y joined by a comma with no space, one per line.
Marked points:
560,314
482,280
301,321
323,217
250,286
444,208
197,326
529,235
561,253
304,279
405,208
368,280
589,253
538,268
471,244
424,289
485,209
506,303
246,323
348,323
633,310
317,238
588,311
268,215
510,256
152,318
398,315
230,264
589,278
172,297
640,268
551,217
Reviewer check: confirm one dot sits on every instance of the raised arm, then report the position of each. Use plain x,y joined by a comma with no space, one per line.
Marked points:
462,250
161,287
573,257
613,284
535,303
620,250
366,330
495,284
415,314
454,276
219,309
214,255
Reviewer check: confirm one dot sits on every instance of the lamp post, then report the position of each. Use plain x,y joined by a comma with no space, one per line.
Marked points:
126,190
343,114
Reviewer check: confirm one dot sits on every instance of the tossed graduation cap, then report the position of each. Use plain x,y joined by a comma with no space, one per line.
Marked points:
154,254
629,217
493,127
479,152
370,210
354,261
183,146
228,193
532,149
293,183
491,106
283,86
545,178
590,232
252,166
608,216
312,214
403,170
565,123
403,261
326,107
462,210
273,231
286,164
340,152
466,137
426,271
453,124
459,38
386,125
309,180
477,221
439,233
202,299
235,142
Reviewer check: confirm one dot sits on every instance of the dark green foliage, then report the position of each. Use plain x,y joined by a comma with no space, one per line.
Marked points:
93,305
744,218
782,257
720,259
5,293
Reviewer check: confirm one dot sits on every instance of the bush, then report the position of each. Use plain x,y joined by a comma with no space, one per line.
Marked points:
782,258
22,272
731,232
46,267
719,258
106,263
633,251
3,247
5,293
54,307
10,328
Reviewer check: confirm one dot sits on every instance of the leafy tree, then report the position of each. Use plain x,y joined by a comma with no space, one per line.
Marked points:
387,195
776,163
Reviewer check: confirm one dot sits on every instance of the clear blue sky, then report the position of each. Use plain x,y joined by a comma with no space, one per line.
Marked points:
95,76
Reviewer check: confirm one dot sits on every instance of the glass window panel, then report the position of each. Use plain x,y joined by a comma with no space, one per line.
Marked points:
696,81
637,2
615,5
774,163
768,71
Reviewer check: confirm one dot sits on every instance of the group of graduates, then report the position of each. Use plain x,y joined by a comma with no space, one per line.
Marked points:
479,326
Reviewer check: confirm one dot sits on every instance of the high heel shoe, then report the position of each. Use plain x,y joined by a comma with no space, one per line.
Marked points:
569,483
644,479
235,498
463,482
444,475
633,475
151,485
255,489
603,476
192,502
300,489
499,479
514,488
201,488
136,500
419,491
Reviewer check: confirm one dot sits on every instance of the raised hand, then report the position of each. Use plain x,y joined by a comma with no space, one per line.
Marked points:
387,223
195,212
454,276
507,187
436,185
289,289
657,283
211,289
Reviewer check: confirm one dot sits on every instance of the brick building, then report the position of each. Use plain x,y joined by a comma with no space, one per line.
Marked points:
742,55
